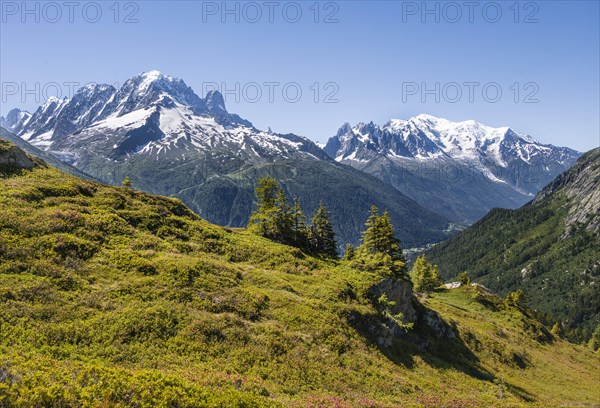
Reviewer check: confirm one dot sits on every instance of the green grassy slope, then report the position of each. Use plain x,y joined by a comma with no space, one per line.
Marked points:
542,248
113,297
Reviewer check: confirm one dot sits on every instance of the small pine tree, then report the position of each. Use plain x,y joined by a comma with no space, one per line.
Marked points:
435,277
594,342
379,236
299,217
425,277
273,218
349,252
266,192
380,250
284,220
126,182
299,224
556,330
321,235
516,299
464,278
370,236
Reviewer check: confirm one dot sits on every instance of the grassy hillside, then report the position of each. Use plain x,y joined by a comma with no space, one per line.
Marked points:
113,297
550,248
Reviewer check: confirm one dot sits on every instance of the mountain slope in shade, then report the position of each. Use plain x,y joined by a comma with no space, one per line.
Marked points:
169,141
549,247
458,169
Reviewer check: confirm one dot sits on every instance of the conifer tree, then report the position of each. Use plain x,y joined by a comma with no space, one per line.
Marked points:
273,218
556,330
464,278
267,193
126,182
299,217
379,236
516,298
349,252
299,224
594,342
425,277
371,241
284,220
321,235
380,249
262,220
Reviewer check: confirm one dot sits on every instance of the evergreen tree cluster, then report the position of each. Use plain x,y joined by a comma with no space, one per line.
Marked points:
380,250
287,224
425,276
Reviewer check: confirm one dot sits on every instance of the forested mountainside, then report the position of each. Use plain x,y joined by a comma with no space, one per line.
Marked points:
549,247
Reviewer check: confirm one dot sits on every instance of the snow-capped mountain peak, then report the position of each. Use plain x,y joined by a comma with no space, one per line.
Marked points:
344,129
496,152
148,78
15,120
426,136
150,88
152,114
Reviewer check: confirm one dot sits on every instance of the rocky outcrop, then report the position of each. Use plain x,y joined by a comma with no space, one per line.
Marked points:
453,285
481,288
13,158
584,194
396,311
581,187
399,294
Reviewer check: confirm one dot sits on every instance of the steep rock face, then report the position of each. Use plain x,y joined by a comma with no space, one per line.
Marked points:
458,169
581,185
400,295
439,328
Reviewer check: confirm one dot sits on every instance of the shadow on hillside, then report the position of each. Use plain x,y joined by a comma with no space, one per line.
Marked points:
520,392
439,346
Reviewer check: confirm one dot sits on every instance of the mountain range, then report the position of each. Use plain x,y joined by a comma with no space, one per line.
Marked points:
432,175
458,169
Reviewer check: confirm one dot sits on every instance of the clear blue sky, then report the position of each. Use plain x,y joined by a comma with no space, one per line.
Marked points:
374,55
